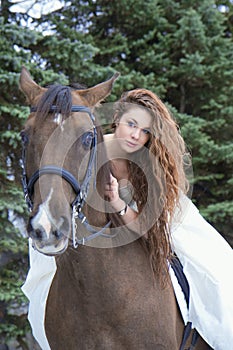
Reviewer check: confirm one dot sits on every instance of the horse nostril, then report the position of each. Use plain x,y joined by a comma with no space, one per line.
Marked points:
58,234
36,234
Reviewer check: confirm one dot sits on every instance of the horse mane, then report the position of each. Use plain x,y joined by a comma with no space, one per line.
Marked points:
56,95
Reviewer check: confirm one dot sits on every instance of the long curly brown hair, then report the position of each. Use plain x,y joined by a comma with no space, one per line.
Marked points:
157,173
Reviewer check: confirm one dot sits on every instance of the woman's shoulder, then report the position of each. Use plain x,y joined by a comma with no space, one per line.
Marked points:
108,137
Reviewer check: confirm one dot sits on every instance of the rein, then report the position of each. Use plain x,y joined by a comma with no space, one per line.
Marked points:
81,190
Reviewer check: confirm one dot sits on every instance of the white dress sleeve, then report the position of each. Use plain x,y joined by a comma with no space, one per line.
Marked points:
36,288
208,261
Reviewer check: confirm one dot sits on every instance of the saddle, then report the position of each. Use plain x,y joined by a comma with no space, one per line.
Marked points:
183,282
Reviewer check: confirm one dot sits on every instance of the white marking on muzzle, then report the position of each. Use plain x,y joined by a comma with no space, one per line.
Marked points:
43,219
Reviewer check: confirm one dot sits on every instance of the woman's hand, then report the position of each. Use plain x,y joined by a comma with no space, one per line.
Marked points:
111,189
112,194
130,216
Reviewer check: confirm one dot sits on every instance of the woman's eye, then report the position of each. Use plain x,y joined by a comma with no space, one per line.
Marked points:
145,131
87,139
131,124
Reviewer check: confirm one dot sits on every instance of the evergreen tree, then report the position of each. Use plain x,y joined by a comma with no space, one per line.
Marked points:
13,247
15,42
226,8
201,87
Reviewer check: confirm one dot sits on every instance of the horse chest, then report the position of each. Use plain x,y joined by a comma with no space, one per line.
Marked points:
111,301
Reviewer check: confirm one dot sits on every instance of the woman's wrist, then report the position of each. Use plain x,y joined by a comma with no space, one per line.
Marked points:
123,211
118,205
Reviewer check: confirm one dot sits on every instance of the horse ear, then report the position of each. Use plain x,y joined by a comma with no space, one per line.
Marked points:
98,92
28,86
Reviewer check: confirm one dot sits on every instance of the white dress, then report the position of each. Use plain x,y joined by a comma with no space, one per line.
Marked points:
36,288
207,260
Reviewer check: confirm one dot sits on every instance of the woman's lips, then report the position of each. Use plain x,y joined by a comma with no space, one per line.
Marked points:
131,144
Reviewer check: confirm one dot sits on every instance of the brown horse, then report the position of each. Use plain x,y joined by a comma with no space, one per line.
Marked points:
100,298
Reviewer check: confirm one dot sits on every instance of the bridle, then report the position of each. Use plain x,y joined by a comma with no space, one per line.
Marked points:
81,190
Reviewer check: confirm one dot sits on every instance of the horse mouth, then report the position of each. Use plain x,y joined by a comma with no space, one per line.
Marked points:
50,249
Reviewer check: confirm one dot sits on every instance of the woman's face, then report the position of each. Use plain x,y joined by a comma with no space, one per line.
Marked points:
133,129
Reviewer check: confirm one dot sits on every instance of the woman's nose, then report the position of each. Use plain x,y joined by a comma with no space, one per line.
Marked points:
136,133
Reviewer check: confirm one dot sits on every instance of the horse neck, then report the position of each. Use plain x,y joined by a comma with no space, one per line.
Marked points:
103,267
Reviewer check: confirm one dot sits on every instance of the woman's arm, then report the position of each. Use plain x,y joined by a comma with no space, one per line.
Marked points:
128,215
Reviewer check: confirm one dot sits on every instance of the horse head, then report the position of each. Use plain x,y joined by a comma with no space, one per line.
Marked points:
60,141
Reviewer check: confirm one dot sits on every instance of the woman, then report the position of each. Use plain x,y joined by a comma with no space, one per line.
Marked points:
147,152
148,190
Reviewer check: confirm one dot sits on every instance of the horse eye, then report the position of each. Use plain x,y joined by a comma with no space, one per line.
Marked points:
87,139
24,137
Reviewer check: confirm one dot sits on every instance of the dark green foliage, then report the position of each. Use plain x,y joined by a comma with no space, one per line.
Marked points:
13,248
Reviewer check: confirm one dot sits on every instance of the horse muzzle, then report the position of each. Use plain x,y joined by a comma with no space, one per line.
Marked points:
49,236
50,249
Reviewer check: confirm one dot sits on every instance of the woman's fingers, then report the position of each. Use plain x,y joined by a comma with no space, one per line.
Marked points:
111,189
113,184
113,180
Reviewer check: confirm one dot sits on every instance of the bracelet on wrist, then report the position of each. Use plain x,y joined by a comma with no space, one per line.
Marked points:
123,211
